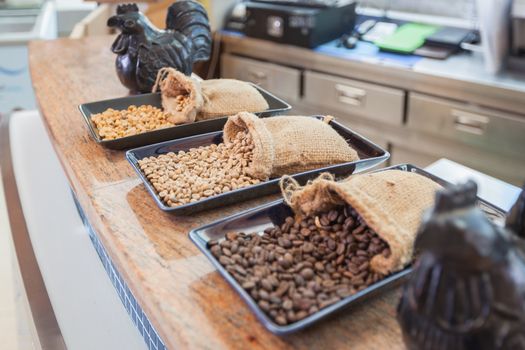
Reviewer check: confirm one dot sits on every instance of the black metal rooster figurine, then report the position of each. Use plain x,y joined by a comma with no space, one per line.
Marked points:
142,49
467,290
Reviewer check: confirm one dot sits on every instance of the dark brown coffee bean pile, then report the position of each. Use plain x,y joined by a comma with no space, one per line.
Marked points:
295,270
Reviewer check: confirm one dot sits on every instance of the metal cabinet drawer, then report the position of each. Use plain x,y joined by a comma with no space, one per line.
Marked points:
354,98
401,155
479,127
282,81
508,169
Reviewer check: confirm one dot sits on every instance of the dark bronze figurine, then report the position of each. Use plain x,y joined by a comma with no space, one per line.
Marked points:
467,290
142,49
516,218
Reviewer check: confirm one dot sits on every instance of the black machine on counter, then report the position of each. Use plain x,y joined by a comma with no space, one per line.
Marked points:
306,23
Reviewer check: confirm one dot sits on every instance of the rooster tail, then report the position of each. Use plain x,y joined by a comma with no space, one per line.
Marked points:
190,19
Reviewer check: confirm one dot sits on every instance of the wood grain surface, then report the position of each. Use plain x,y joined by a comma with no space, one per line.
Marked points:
187,301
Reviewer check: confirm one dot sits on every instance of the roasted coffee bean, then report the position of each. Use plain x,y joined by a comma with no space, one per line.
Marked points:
231,236
225,244
364,266
263,294
248,285
309,293
305,232
301,266
331,244
264,305
254,294
328,283
275,299
308,248
299,280
313,310
340,259
283,288
343,292
240,270
265,283
281,320
216,250
307,273
332,215
361,252
286,277
287,305
359,229
224,260
297,242
301,314
273,281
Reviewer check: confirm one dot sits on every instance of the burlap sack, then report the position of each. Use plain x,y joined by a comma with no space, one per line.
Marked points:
172,84
288,144
225,97
208,99
391,202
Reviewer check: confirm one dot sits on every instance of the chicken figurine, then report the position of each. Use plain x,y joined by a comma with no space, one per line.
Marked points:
142,49
467,289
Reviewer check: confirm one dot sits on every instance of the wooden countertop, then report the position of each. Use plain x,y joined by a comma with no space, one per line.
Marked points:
187,301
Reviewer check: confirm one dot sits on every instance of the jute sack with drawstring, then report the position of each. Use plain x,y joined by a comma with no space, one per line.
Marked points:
207,99
289,144
391,203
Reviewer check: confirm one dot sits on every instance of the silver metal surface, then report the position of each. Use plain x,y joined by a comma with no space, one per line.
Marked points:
484,128
497,192
46,324
408,145
461,77
350,95
353,97
17,24
508,169
449,8
284,82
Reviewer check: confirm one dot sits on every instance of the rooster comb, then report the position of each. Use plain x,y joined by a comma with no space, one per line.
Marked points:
456,197
126,8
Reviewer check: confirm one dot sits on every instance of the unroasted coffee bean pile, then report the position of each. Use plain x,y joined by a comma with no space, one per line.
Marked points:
295,270
182,102
190,176
113,124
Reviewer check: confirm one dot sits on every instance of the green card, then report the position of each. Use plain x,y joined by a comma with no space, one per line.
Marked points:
407,38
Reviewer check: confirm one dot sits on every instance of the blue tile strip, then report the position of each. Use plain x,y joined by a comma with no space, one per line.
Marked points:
139,318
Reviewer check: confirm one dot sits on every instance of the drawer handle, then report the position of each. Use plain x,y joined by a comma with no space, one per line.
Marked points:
350,95
470,122
257,77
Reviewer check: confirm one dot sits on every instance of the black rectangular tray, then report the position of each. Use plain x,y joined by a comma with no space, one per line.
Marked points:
369,153
272,214
276,106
